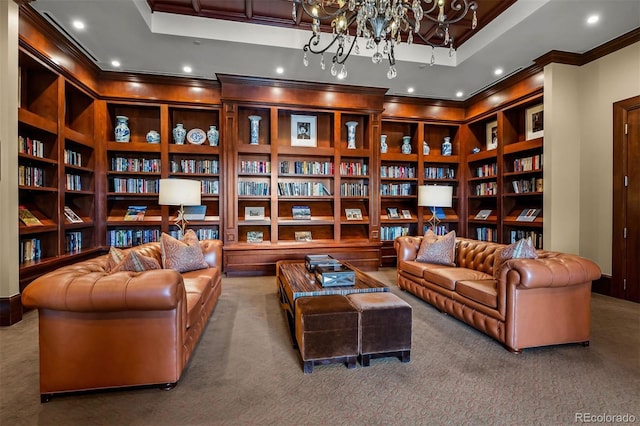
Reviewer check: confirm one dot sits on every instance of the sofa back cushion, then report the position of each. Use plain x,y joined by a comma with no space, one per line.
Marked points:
478,255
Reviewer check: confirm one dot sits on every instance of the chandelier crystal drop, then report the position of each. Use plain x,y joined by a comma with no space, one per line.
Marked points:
386,22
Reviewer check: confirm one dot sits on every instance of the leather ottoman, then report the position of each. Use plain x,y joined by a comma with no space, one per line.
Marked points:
326,330
385,326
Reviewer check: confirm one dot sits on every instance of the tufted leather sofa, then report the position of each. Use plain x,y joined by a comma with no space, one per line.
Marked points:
100,330
529,303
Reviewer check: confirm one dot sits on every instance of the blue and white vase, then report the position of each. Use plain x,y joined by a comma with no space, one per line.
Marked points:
383,144
213,136
446,146
179,134
406,144
153,136
351,134
122,132
255,129
425,148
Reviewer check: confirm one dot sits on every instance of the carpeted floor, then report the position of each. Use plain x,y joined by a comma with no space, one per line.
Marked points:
245,372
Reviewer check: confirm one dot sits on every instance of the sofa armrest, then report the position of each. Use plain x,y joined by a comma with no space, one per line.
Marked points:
75,290
407,247
212,251
551,270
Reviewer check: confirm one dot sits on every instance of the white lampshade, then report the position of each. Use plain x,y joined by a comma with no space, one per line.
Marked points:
179,192
435,196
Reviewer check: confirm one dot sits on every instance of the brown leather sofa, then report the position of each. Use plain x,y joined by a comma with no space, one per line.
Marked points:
529,303
100,330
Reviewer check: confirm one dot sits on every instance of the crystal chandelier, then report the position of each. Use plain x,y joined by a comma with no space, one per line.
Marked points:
382,23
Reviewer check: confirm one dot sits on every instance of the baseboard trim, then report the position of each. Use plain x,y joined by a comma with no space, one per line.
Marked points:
602,285
10,310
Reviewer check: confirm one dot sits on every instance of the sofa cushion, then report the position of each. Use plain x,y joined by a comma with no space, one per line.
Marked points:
136,262
197,290
448,277
521,249
481,291
114,257
417,268
438,250
184,255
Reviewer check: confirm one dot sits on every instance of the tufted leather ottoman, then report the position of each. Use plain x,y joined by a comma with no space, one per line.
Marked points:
385,326
326,330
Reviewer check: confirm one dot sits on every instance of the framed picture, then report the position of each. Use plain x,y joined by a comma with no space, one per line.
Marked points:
303,130
303,235
254,213
195,212
406,214
72,217
254,236
353,214
301,212
392,213
492,135
534,123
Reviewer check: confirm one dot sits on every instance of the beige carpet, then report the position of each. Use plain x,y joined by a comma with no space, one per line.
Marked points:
245,372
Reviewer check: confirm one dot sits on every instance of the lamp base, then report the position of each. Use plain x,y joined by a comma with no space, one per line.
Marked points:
181,222
433,221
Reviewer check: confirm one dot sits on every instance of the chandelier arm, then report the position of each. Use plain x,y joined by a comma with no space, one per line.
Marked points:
428,42
312,42
336,57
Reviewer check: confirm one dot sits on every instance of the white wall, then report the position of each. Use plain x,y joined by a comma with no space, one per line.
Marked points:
9,285
578,169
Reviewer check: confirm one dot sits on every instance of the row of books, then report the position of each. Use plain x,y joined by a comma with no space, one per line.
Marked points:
72,157
253,188
527,185
302,189
486,188
527,164
201,233
307,167
30,250
195,166
396,189
255,166
30,146
126,164
132,237
30,176
353,169
354,189
397,172
439,173
439,229
73,242
487,170
536,237
135,185
210,187
73,182
390,233
487,234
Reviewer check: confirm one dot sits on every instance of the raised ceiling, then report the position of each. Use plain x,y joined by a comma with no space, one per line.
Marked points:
255,37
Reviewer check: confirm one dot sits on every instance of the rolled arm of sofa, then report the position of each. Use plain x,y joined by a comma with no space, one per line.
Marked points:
551,270
74,290
407,247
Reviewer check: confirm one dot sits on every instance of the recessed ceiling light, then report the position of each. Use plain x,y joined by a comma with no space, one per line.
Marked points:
115,63
459,94
592,19
279,70
186,68
498,71
78,25
410,89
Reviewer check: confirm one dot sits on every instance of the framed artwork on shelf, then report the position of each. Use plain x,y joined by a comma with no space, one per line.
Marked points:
301,212
303,235
303,131
353,214
406,214
254,213
135,213
392,213
492,135
254,236
534,122
195,212
71,216
483,214
528,215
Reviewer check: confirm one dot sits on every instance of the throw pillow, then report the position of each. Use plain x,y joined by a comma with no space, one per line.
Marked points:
438,250
114,258
521,249
136,262
182,255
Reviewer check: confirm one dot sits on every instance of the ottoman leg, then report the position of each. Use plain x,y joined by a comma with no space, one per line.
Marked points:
365,360
307,367
405,356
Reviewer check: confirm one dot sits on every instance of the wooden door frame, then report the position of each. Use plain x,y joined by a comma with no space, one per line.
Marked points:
620,170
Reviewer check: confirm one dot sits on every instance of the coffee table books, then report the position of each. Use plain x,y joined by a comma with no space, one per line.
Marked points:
335,275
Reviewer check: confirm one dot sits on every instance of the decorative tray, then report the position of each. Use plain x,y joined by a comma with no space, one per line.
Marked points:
196,136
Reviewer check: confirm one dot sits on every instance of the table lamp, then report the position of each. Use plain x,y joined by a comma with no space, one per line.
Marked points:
435,196
180,192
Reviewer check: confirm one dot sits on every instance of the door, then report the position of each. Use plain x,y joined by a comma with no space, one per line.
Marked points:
626,200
